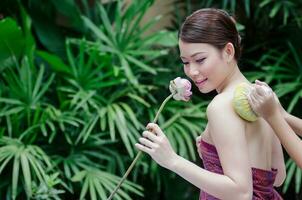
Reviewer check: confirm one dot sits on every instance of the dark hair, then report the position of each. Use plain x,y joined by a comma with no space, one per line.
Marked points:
212,26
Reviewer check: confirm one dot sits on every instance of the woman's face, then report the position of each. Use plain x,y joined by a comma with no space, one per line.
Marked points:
204,64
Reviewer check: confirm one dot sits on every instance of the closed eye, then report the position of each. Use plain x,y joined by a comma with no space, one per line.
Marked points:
185,63
200,60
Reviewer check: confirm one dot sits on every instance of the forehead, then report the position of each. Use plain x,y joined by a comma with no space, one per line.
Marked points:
191,49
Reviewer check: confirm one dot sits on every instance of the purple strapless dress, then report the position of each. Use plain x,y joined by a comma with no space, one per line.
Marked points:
263,180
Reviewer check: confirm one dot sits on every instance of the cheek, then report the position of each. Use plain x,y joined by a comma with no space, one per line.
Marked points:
213,68
209,69
186,70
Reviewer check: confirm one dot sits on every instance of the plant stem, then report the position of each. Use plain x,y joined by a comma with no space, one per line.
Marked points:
125,175
161,107
140,152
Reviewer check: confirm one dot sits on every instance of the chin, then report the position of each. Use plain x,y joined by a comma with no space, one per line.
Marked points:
206,90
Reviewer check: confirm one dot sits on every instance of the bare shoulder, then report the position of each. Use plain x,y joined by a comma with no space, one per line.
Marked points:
221,114
221,105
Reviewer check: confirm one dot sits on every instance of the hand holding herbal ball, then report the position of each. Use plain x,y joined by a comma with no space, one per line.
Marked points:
264,101
253,100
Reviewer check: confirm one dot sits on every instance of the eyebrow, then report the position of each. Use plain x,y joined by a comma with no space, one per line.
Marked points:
194,54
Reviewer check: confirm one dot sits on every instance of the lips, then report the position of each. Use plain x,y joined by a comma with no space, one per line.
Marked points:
201,82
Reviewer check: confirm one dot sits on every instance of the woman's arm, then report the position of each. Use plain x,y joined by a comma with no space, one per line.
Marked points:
265,105
294,122
227,131
287,136
278,161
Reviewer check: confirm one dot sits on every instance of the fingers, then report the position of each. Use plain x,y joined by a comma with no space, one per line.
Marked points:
252,100
265,86
259,90
151,136
261,83
257,93
198,140
276,98
148,143
262,90
154,128
150,139
143,148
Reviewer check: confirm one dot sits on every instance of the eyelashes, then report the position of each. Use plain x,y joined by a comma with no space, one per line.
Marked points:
199,61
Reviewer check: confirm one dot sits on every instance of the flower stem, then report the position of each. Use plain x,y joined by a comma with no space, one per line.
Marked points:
161,107
140,152
125,175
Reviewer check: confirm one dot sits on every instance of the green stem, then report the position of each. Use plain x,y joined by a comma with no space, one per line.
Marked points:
125,175
161,107
140,152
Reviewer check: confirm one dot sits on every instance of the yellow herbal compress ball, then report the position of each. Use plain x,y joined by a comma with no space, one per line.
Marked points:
241,103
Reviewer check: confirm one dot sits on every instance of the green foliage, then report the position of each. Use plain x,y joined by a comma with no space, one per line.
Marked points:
284,70
72,109
12,42
183,127
286,8
31,159
46,189
74,119
124,38
294,173
97,182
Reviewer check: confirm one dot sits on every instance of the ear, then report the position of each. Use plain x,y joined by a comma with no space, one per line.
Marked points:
229,52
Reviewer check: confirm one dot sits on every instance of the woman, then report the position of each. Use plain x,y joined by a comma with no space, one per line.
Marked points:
266,104
238,156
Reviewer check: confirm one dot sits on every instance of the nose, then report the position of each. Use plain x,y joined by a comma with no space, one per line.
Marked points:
193,71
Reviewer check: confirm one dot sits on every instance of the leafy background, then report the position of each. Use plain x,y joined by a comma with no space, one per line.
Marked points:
79,80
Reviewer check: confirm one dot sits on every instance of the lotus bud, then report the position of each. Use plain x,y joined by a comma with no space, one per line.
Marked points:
181,89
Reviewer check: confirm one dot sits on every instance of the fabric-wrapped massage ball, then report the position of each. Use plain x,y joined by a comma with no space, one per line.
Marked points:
241,103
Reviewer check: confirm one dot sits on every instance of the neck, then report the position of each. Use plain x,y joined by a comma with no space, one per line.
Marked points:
234,78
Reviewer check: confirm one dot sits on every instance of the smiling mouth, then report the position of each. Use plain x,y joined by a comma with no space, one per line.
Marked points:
201,81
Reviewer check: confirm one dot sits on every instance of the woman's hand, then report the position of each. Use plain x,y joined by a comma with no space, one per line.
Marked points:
156,144
264,101
281,109
198,140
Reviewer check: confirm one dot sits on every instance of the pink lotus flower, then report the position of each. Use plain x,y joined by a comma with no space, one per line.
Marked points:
181,89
